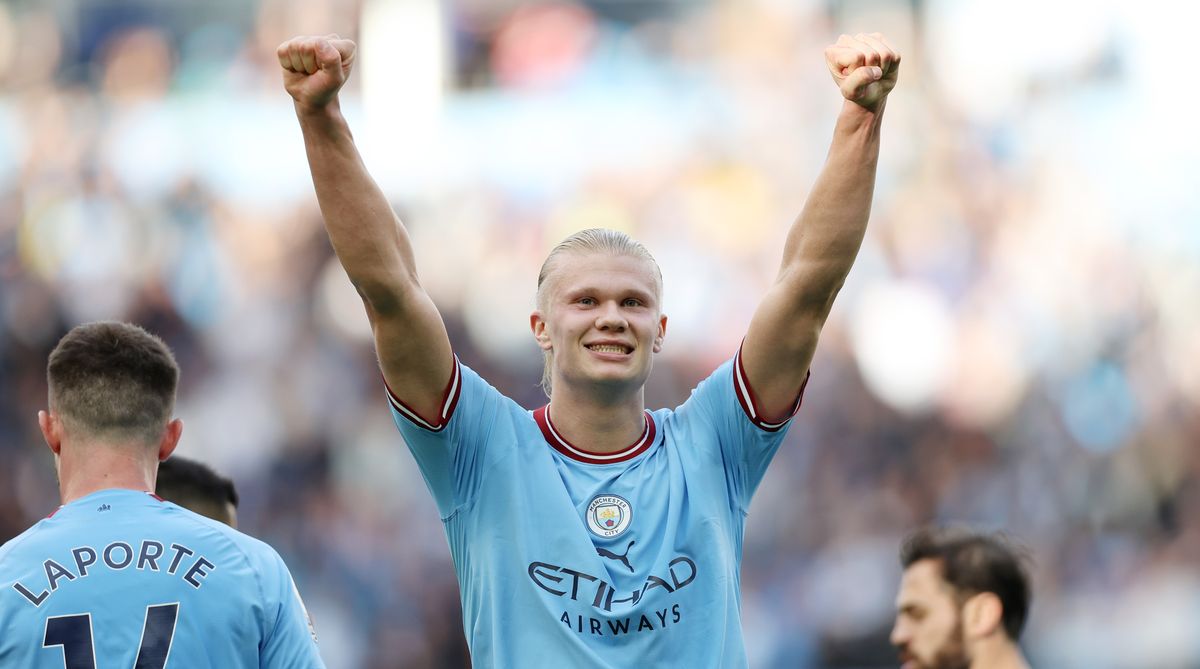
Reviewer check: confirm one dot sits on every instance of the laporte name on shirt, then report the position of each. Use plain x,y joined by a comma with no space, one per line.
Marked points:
118,556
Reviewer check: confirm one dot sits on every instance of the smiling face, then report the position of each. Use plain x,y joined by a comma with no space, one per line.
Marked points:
929,627
599,319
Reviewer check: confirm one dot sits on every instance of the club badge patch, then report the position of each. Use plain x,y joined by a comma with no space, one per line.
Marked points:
608,515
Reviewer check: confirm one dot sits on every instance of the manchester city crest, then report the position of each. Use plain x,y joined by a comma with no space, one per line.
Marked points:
608,515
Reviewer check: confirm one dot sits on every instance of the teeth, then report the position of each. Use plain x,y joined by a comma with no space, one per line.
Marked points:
606,348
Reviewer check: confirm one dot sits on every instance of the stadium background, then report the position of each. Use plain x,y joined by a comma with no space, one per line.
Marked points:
1015,348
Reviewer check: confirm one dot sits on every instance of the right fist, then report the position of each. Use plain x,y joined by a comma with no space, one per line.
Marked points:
314,68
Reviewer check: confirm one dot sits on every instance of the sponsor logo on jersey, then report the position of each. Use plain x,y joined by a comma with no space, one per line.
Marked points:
608,515
580,586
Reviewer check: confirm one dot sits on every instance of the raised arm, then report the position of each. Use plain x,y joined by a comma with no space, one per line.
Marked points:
370,241
824,240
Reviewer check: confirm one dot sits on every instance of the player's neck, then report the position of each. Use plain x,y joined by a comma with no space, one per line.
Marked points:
999,654
597,424
85,469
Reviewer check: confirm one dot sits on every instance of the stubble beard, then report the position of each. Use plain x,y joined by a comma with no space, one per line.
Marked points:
953,653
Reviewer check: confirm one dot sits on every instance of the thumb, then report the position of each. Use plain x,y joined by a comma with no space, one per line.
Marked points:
857,81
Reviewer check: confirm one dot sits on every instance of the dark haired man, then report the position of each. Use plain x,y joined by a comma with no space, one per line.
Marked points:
196,487
116,577
963,600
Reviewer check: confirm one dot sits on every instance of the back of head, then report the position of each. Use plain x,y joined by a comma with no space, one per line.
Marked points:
112,382
196,487
973,563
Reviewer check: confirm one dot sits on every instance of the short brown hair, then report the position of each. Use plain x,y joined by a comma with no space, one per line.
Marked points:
113,381
974,562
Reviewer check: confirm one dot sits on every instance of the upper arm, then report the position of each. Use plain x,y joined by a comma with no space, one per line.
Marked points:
779,346
413,348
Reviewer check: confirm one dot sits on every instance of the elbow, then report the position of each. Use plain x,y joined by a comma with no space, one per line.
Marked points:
385,298
812,291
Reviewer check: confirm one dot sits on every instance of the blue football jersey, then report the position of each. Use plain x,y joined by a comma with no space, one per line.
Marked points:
121,579
570,558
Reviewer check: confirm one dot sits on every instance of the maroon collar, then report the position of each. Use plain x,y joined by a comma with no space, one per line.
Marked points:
560,444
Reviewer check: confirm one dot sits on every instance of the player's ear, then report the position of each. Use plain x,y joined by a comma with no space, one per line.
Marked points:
51,431
537,323
982,615
170,439
662,333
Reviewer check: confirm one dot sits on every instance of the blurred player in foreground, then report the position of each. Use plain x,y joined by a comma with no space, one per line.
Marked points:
116,577
591,532
962,603
196,487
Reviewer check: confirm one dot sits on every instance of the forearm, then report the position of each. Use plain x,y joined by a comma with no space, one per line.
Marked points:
366,234
824,241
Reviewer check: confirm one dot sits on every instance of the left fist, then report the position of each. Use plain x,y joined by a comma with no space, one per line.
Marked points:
864,67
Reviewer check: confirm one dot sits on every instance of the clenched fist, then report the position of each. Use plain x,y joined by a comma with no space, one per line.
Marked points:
864,67
315,68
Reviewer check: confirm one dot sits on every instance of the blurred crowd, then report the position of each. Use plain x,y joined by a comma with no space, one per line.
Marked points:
1016,347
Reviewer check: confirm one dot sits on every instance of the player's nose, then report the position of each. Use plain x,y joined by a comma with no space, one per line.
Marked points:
609,317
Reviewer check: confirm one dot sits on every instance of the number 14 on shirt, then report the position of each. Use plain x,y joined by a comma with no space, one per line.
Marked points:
74,634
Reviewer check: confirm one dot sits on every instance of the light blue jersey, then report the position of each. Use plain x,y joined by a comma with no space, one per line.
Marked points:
122,579
568,558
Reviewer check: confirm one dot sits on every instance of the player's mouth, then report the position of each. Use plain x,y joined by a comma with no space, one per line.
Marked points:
609,349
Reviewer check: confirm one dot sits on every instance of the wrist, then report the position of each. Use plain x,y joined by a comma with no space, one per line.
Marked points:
857,117
330,112
853,111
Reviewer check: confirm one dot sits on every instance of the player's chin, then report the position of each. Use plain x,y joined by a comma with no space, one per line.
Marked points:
633,376
613,372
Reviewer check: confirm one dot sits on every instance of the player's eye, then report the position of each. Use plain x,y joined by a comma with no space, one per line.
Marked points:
586,301
632,302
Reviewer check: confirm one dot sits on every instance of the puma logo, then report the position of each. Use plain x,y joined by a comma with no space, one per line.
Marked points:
604,552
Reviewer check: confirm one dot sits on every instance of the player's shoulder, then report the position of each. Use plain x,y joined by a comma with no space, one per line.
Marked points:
473,382
720,385
490,409
256,551
22,542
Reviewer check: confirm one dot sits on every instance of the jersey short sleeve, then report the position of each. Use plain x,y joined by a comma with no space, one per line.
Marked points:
291,640
726,404
453,453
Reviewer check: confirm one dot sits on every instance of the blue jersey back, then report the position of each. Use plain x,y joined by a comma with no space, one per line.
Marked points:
569,558
121,579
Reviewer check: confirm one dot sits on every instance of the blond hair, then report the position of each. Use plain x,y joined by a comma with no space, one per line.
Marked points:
592,240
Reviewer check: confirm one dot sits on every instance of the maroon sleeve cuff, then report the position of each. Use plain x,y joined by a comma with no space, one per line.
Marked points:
446,411
746,398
